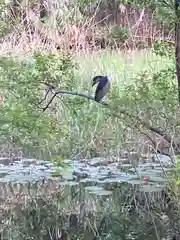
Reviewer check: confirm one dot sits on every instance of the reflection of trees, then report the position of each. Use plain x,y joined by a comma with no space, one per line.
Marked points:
49,210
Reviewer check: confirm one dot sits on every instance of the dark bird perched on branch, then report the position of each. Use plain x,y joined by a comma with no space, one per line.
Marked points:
102,87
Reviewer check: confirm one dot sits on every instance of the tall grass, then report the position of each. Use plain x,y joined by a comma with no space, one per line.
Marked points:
93,132
90,131
121,66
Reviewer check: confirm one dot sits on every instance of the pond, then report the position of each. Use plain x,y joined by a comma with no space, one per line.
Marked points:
87,199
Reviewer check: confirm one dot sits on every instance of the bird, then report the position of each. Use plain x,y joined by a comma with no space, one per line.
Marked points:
102,87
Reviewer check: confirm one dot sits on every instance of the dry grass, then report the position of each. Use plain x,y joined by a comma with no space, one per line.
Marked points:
72,30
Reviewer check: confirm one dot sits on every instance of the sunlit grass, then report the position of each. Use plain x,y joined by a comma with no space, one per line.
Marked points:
89,130
122,67
94,128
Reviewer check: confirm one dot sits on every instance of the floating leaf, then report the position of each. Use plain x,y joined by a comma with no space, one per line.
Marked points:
56,174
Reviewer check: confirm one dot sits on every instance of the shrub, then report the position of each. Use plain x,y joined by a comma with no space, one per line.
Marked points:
22,119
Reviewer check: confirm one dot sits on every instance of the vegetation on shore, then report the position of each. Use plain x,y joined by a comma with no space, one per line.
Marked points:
143,87
41,46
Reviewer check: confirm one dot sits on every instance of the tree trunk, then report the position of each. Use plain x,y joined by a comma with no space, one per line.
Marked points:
177,44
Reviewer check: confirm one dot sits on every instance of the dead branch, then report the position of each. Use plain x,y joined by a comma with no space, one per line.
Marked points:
135,119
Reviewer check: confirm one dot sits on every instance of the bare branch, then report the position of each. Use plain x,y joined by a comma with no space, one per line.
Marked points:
46,94
134,118
167,4
50,101
78,94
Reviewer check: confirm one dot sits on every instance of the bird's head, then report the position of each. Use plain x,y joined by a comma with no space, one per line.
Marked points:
98,78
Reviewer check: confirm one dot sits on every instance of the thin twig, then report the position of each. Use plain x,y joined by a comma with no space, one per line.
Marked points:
45,96
50,101
167,4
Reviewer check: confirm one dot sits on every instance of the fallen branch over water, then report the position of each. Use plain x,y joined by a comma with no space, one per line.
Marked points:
133,118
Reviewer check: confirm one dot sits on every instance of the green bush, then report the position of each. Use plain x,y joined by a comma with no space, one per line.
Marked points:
22,119
73,126
153,97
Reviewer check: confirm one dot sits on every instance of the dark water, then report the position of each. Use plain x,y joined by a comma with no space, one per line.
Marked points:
87,199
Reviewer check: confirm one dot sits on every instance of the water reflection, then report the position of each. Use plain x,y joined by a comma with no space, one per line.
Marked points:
86,202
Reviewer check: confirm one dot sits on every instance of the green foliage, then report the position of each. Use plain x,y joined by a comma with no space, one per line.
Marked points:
163,10
151,96
151,90
4,24
118,33
164,49
164,13
21,85
55,70
175,173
